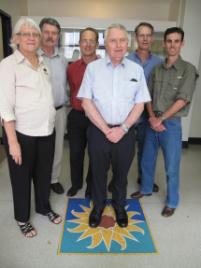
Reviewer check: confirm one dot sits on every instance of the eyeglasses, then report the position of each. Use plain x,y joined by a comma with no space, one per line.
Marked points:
88,42
143,36
29,35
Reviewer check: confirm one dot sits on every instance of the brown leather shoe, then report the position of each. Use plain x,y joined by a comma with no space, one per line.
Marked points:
167,212
138,195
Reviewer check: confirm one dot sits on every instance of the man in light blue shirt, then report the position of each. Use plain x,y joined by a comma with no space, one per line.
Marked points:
113,94
144,35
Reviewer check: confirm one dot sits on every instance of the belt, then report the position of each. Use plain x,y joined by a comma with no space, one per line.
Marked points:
113,125
58,107
158,113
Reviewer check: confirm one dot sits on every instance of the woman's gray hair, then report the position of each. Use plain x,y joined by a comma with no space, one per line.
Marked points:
18,26
115,26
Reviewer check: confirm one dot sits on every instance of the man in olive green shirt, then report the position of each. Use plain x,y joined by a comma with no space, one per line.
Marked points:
171,86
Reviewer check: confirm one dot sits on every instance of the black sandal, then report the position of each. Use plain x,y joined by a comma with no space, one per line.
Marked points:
27,228
52,216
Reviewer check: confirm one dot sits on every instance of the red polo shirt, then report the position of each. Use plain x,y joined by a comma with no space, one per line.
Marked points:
75,73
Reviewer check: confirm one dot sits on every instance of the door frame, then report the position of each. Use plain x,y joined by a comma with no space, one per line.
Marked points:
6,32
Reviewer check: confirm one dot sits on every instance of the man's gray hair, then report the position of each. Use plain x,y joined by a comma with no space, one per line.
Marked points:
18,26
115,26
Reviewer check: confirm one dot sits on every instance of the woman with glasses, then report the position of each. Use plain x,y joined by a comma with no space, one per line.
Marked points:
27,113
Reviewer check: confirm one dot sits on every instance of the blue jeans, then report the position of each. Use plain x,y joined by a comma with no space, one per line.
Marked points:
170,142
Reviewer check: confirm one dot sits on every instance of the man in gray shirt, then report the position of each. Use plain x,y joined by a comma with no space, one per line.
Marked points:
57,64
171,86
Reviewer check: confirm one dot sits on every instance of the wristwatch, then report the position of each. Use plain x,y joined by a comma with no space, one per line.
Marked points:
162,117
124,127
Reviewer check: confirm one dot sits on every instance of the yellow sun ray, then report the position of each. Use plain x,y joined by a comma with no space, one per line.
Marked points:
96,240
78,229
89,232
80,221
107,237
123,232
79,214
135,228
109,211
120,240
85,209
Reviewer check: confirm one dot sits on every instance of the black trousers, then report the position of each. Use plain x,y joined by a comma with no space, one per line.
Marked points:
77,126
37,160
104,153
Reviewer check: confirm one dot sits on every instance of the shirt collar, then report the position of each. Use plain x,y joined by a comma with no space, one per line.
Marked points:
20,57
149,57
109,62
177,65
81,62
41,52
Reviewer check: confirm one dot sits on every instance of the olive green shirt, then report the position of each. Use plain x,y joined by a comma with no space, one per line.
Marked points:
167,85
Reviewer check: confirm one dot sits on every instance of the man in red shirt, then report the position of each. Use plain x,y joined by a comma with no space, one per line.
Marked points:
77,121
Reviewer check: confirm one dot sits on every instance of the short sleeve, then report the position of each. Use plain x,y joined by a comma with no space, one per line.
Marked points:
187,84
85,91
142,94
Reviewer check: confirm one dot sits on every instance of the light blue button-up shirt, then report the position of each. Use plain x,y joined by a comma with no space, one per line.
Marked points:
57,65
114,89
148,65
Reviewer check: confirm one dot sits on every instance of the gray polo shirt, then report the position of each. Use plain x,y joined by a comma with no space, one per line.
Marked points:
167,85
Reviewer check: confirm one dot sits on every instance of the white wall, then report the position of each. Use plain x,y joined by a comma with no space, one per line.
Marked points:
195,126
79,22
120,9
191,52
15,8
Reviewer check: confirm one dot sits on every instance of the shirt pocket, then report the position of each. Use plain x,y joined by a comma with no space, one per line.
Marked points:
128,89
172,89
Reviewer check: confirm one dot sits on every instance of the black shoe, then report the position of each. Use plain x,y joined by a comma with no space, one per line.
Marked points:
155,188
57,188
110,186
95,217
138,195
72,191
121,216
88,193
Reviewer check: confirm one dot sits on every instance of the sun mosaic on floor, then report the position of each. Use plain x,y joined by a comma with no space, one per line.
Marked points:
108,237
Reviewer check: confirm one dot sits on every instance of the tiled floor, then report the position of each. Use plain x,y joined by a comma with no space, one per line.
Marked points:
178,238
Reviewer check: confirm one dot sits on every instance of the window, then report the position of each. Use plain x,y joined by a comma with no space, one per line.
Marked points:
69,43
